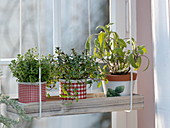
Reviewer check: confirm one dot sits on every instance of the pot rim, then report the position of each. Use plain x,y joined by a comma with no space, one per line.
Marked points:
72,81
30,83
126,77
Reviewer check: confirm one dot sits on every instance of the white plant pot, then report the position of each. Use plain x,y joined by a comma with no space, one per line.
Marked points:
121,80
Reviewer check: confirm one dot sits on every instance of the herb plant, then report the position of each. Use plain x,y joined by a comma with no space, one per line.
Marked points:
26,67
114,53
76,66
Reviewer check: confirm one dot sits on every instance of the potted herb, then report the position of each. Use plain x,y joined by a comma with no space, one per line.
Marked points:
118,58
26,69
74,72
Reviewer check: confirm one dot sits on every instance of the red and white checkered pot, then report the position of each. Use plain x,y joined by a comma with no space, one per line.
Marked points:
79,85
29,92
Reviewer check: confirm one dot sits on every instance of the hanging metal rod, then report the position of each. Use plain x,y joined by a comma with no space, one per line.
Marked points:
39,51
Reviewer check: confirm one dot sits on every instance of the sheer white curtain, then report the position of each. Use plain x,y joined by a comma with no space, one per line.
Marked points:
160,28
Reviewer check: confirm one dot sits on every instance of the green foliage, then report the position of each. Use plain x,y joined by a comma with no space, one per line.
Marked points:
26,67
10,123
76,66
116,92
114,53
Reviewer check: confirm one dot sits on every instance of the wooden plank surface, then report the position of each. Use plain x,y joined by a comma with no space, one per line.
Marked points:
95,103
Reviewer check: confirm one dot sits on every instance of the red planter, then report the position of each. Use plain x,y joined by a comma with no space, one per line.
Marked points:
79,86
29,92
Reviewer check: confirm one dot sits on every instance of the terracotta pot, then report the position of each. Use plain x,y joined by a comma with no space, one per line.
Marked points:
29,92
121,77
79,85
121,80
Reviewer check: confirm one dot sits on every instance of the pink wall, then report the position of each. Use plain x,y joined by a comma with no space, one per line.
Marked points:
146,117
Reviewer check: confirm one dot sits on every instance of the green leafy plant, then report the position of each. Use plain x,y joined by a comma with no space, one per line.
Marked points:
113,51
75,67
116,92
11,123
26,67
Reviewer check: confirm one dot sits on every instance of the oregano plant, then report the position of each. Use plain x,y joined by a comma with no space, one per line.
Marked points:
26,67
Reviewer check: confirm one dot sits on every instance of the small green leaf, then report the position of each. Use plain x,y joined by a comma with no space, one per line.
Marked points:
101,37
106,81
102,27
141,52
88,44
122,42
104,67
64,91
77,99
144,50
89,82
108,54
99,84
139,61
94,51
48,95
108,25
132,61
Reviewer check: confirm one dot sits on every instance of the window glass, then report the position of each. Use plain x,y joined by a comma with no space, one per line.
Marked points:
74,32
9,28
74,21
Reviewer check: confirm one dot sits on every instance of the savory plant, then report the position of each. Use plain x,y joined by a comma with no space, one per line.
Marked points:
26,67
114,52
76,66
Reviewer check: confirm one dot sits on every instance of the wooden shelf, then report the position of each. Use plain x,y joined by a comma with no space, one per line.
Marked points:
95,103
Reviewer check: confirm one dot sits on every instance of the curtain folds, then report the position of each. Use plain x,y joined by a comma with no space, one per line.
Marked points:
161,40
